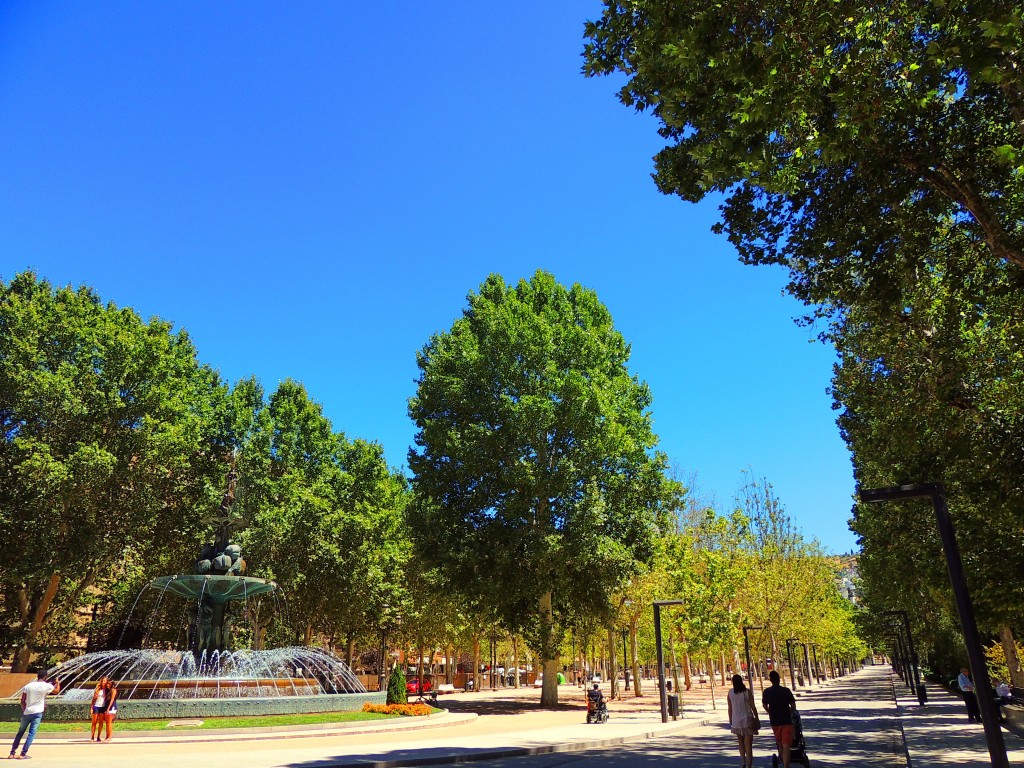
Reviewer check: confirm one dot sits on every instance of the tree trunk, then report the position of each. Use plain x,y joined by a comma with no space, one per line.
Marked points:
635,663
723,669
24,651
672,661
613,672
1012,660
476,664
515,659
350,651
686,671
711,681
548,651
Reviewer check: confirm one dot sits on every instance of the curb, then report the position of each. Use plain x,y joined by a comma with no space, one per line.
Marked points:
899,721
171,736
355,761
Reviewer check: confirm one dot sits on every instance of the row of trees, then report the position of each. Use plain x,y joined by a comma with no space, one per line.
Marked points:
116,444
538,509
875,151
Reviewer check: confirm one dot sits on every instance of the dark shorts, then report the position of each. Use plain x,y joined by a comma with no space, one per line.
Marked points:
783,734
97,710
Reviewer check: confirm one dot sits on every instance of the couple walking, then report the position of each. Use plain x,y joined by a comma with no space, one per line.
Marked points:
777,701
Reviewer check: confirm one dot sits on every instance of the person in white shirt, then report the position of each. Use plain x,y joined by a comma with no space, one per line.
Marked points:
33,704
970,697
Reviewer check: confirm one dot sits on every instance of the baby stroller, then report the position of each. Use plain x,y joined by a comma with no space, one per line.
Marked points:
798,749
597,712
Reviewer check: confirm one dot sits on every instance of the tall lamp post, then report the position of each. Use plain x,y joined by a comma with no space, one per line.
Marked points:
746,648
661,655
954,563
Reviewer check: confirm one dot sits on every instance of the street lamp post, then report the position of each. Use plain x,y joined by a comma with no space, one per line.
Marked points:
954,563
746,648
922,693
661,655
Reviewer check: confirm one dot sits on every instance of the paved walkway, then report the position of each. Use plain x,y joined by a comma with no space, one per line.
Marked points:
853,721
938,733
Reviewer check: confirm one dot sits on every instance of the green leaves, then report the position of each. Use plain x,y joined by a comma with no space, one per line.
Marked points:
534,465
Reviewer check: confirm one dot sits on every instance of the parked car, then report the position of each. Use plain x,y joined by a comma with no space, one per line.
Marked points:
412,686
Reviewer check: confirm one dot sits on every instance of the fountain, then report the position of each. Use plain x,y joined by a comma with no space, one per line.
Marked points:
207,678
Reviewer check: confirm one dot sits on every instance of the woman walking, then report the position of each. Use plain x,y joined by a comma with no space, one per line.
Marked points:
743,719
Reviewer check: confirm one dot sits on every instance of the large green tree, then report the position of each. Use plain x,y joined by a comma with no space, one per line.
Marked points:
534,464
325,514
841,131
111,448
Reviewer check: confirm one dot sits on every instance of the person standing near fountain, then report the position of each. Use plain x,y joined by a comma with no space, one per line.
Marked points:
33,704
99,708
104,708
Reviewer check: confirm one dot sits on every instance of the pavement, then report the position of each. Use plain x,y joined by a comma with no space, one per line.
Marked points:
938,734
864,719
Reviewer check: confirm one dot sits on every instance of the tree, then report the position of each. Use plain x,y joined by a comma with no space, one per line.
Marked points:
326,516
534,458
111,448
841,131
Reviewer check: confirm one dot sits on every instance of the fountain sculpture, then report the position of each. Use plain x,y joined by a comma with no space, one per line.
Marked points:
207,678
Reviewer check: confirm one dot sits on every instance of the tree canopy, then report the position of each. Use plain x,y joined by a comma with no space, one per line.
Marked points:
111,447
537,482
838,130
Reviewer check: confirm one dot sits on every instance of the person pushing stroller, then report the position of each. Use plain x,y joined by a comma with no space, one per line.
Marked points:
780,704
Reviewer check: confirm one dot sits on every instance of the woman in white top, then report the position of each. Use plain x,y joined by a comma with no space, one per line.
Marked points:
742,719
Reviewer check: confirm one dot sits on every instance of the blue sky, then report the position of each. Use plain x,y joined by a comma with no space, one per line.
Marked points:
311,189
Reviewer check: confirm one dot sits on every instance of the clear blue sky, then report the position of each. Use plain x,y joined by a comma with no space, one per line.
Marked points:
311,189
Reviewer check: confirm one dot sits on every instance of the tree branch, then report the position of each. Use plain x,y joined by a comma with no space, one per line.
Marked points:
999,243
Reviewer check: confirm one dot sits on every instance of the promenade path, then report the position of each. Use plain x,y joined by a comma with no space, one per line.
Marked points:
853,721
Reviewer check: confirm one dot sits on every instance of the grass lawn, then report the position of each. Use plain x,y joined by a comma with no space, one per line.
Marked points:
264,721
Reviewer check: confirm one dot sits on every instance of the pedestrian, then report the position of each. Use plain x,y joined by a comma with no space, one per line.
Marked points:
970,695
99,708
743,719
779,703
33,703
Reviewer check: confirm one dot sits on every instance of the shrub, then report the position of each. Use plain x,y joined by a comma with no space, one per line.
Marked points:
396,687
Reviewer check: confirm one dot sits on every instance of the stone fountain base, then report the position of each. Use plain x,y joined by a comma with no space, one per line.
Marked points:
58,710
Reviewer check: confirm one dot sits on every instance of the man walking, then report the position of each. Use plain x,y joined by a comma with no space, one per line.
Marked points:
33,703
970,696
779,703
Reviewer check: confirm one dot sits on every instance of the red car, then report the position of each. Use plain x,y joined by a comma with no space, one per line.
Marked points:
412,685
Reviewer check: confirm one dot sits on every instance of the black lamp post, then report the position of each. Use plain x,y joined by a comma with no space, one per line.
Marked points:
922,693
954,563
746,648
661,654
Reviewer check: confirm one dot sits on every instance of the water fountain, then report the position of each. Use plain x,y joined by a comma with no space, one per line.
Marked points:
207,678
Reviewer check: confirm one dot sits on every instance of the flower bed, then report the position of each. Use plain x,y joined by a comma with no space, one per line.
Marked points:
409,710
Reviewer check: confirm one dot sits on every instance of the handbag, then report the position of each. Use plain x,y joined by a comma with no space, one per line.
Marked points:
755,720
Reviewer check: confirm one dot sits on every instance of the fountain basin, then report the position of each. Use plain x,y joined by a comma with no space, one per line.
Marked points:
216,589
63,710
156,684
